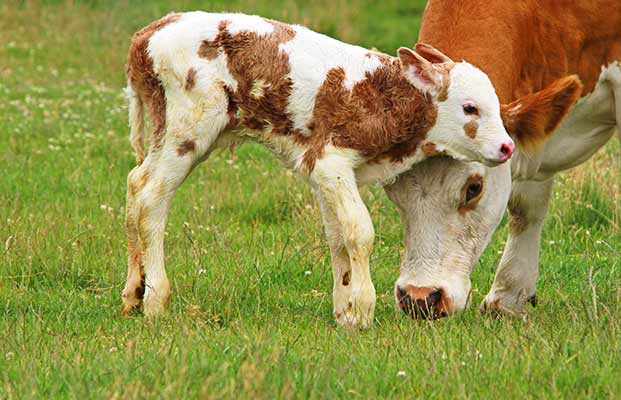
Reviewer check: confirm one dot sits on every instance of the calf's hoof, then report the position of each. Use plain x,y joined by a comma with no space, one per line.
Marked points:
132,301
130,306
357,311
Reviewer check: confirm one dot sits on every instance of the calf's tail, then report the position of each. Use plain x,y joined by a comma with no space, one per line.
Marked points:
136,123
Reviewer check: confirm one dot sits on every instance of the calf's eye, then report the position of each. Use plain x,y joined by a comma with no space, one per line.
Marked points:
470,109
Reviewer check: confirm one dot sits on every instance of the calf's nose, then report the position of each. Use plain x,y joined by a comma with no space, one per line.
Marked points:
422,302
506,150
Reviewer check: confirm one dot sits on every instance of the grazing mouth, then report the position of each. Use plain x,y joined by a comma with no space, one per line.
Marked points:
429,308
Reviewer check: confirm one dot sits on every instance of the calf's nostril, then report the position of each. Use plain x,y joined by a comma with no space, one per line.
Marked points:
506,150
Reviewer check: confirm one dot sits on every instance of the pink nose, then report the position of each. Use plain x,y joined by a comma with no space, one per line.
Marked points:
506,150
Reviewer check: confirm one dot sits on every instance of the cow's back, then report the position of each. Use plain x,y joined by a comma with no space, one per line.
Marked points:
525,45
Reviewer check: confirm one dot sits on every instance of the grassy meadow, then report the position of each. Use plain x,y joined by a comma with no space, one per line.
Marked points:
251,312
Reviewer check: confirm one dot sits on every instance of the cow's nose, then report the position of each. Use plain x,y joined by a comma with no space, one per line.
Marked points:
506,150
422,302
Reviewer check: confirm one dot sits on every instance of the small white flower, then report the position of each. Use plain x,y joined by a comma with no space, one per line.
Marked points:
9,356
401,373
202,271
307,273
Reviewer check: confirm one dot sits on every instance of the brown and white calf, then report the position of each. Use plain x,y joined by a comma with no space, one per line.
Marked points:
341,115
523,46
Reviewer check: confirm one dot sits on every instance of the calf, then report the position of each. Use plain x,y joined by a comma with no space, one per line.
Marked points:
340,115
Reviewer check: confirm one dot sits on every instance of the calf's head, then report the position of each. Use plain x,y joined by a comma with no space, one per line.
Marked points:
450,208
468,125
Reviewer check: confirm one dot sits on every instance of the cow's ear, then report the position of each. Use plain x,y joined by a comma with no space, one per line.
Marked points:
420,71
531,119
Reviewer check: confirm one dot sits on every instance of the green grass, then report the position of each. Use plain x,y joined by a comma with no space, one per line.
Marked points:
246,318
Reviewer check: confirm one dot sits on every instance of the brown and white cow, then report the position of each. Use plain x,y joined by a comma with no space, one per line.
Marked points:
339,114
523,46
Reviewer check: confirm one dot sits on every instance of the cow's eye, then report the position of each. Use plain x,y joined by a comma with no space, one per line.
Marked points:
470,109
471,193
473,190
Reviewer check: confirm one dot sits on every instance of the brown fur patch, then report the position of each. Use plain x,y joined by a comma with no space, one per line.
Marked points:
251,58
186,147
190,80
346,278
144,80
383,117
471,129
210,49
518,220
430,150
466,205
532,118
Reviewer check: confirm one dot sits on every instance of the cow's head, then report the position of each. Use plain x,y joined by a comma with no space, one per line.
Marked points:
468,126
450,208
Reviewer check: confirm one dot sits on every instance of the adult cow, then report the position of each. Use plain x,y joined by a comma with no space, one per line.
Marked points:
523,46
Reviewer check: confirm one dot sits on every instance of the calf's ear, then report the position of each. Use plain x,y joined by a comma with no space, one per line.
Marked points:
423,70
531,119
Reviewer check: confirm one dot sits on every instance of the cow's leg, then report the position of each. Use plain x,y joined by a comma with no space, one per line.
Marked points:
333,177
134,286
341,270
516,277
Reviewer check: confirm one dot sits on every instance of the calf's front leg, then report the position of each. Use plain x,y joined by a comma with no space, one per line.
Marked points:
515,281
350,235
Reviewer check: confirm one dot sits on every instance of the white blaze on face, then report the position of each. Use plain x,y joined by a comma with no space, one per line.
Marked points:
447,225
469,125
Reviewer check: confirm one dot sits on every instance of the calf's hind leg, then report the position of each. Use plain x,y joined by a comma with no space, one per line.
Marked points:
134,286
150,191
346,215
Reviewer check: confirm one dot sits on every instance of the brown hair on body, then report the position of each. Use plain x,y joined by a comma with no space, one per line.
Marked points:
383,117
253,58
143,79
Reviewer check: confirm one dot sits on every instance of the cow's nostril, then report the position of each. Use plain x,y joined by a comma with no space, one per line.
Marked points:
434,298
422,303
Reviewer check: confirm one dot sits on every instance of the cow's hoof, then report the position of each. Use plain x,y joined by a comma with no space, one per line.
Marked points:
507,305
155,304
